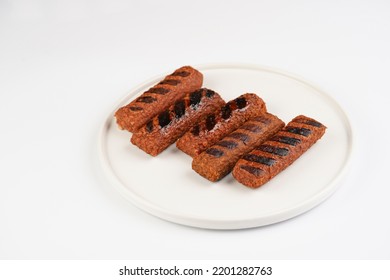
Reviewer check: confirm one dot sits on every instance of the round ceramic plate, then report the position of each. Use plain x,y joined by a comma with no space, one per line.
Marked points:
167,187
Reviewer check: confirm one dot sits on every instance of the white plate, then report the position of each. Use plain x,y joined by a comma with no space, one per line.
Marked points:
167,187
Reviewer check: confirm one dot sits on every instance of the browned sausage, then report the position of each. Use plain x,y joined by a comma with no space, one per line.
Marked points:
220,123
218,160
273,156
165,128
158,98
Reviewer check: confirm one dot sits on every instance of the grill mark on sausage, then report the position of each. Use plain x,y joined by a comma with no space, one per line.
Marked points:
273,150
195,98
164,118
195,130
146,99
170,82
210,93
259,159
158,90
251,127
214,152
314,123
298,130
135,108
210,122
240,136
179,108
251,169
233,105
149,126
262,119
227,144
309,122
241,102
226,111
286,140
180,73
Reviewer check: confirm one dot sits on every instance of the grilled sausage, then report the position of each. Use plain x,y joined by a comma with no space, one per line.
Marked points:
158,98
218,160
165,128
220,123
273,156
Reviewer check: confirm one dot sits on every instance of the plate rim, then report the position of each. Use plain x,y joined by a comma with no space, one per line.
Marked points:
227,224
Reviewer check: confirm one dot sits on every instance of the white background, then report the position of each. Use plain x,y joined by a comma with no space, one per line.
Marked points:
64,64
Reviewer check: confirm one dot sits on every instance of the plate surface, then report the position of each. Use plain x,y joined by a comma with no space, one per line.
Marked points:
167,187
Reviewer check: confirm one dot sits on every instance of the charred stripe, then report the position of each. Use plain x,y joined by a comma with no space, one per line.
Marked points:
260,159
210,93
135,108
286,140
180,73
298,130
179,108
251,127
241,102
158,90
164,118
262,119
227,144
273,150
170,82
226,111
149,126
240,136
251,169
210,122
195,130
195,98
146,99
309,122
214,152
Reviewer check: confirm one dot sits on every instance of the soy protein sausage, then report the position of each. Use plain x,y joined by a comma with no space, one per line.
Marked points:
158,98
